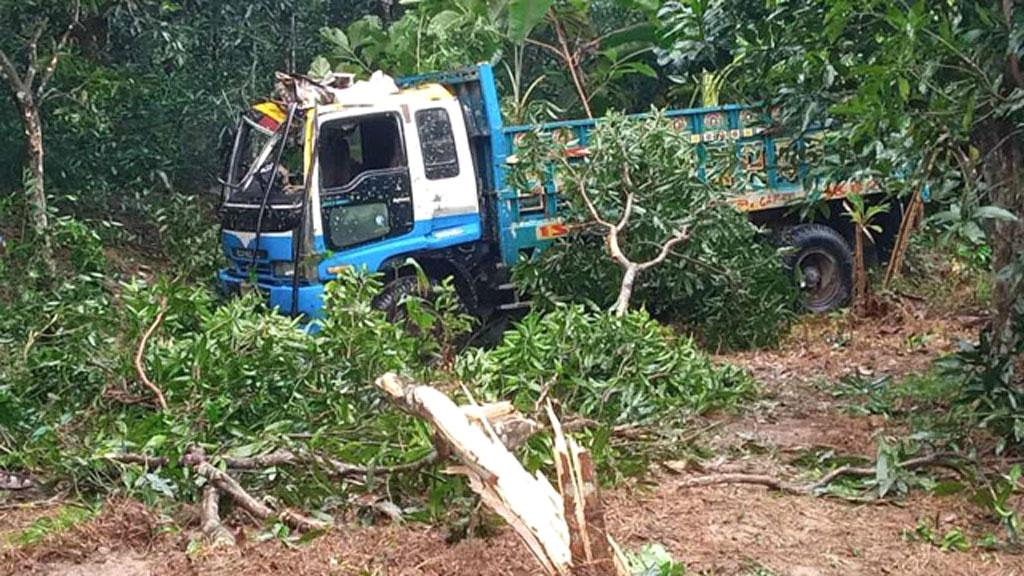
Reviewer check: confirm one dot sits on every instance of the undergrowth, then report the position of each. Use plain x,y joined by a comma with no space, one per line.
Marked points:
619,378
241,380
62,520
967,410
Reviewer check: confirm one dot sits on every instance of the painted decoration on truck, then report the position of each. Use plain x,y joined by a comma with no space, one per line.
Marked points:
552,230
755,200
752,165
752,156
750,118
787,160
793,156
722,136
720,165
714,121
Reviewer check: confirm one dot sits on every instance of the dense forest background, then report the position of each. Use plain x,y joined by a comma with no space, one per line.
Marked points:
142,100
139,107
112,232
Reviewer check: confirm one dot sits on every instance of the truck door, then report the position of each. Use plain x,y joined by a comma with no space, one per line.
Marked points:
364,183
443,175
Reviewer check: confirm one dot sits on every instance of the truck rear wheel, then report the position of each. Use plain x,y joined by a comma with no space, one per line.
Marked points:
822,265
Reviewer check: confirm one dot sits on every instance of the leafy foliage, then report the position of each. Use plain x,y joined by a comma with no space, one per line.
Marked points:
702,46
629,370
721,268
991,388
65,518
610,43
242,381
139,105
610,373
996,498
434,35
654,560
913,92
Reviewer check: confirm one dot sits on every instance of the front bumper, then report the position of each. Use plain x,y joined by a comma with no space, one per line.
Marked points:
277,296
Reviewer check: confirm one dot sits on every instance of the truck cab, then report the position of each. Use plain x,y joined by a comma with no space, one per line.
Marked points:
369,177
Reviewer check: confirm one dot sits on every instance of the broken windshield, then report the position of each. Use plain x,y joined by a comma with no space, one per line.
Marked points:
252,174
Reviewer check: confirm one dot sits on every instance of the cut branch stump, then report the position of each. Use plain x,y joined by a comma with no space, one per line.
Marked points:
564,531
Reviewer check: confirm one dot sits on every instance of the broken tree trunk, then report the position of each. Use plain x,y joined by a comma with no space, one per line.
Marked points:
565,532
584,512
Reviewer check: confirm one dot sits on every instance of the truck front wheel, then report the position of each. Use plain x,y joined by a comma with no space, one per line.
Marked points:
822,265
391,299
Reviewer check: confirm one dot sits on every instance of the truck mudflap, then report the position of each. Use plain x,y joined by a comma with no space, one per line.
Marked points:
277,296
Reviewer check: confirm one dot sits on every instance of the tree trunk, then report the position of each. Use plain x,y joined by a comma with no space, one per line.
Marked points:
35,184
626,289
1003,170
860,277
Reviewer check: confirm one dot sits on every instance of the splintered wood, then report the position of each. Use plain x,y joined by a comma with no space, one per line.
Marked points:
565,529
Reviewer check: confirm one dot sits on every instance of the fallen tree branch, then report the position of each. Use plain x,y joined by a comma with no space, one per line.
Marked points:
277,458
140,367
228,485
939,459
149,462
213,530
769,482
330,465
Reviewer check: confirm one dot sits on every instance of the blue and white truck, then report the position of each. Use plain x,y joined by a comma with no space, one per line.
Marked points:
372,175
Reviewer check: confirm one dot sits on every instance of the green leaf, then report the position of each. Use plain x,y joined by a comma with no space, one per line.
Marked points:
995,213
335,36
904,85
524,16
155,442
320,68
640,34
440,23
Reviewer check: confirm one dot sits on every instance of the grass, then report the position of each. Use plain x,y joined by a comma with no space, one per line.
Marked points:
65,518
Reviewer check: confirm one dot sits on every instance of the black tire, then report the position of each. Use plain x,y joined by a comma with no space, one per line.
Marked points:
822,266
391,299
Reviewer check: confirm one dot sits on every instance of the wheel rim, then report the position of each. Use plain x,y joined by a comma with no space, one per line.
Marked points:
817,275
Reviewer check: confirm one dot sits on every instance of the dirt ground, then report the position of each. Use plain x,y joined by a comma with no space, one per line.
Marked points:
722,530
